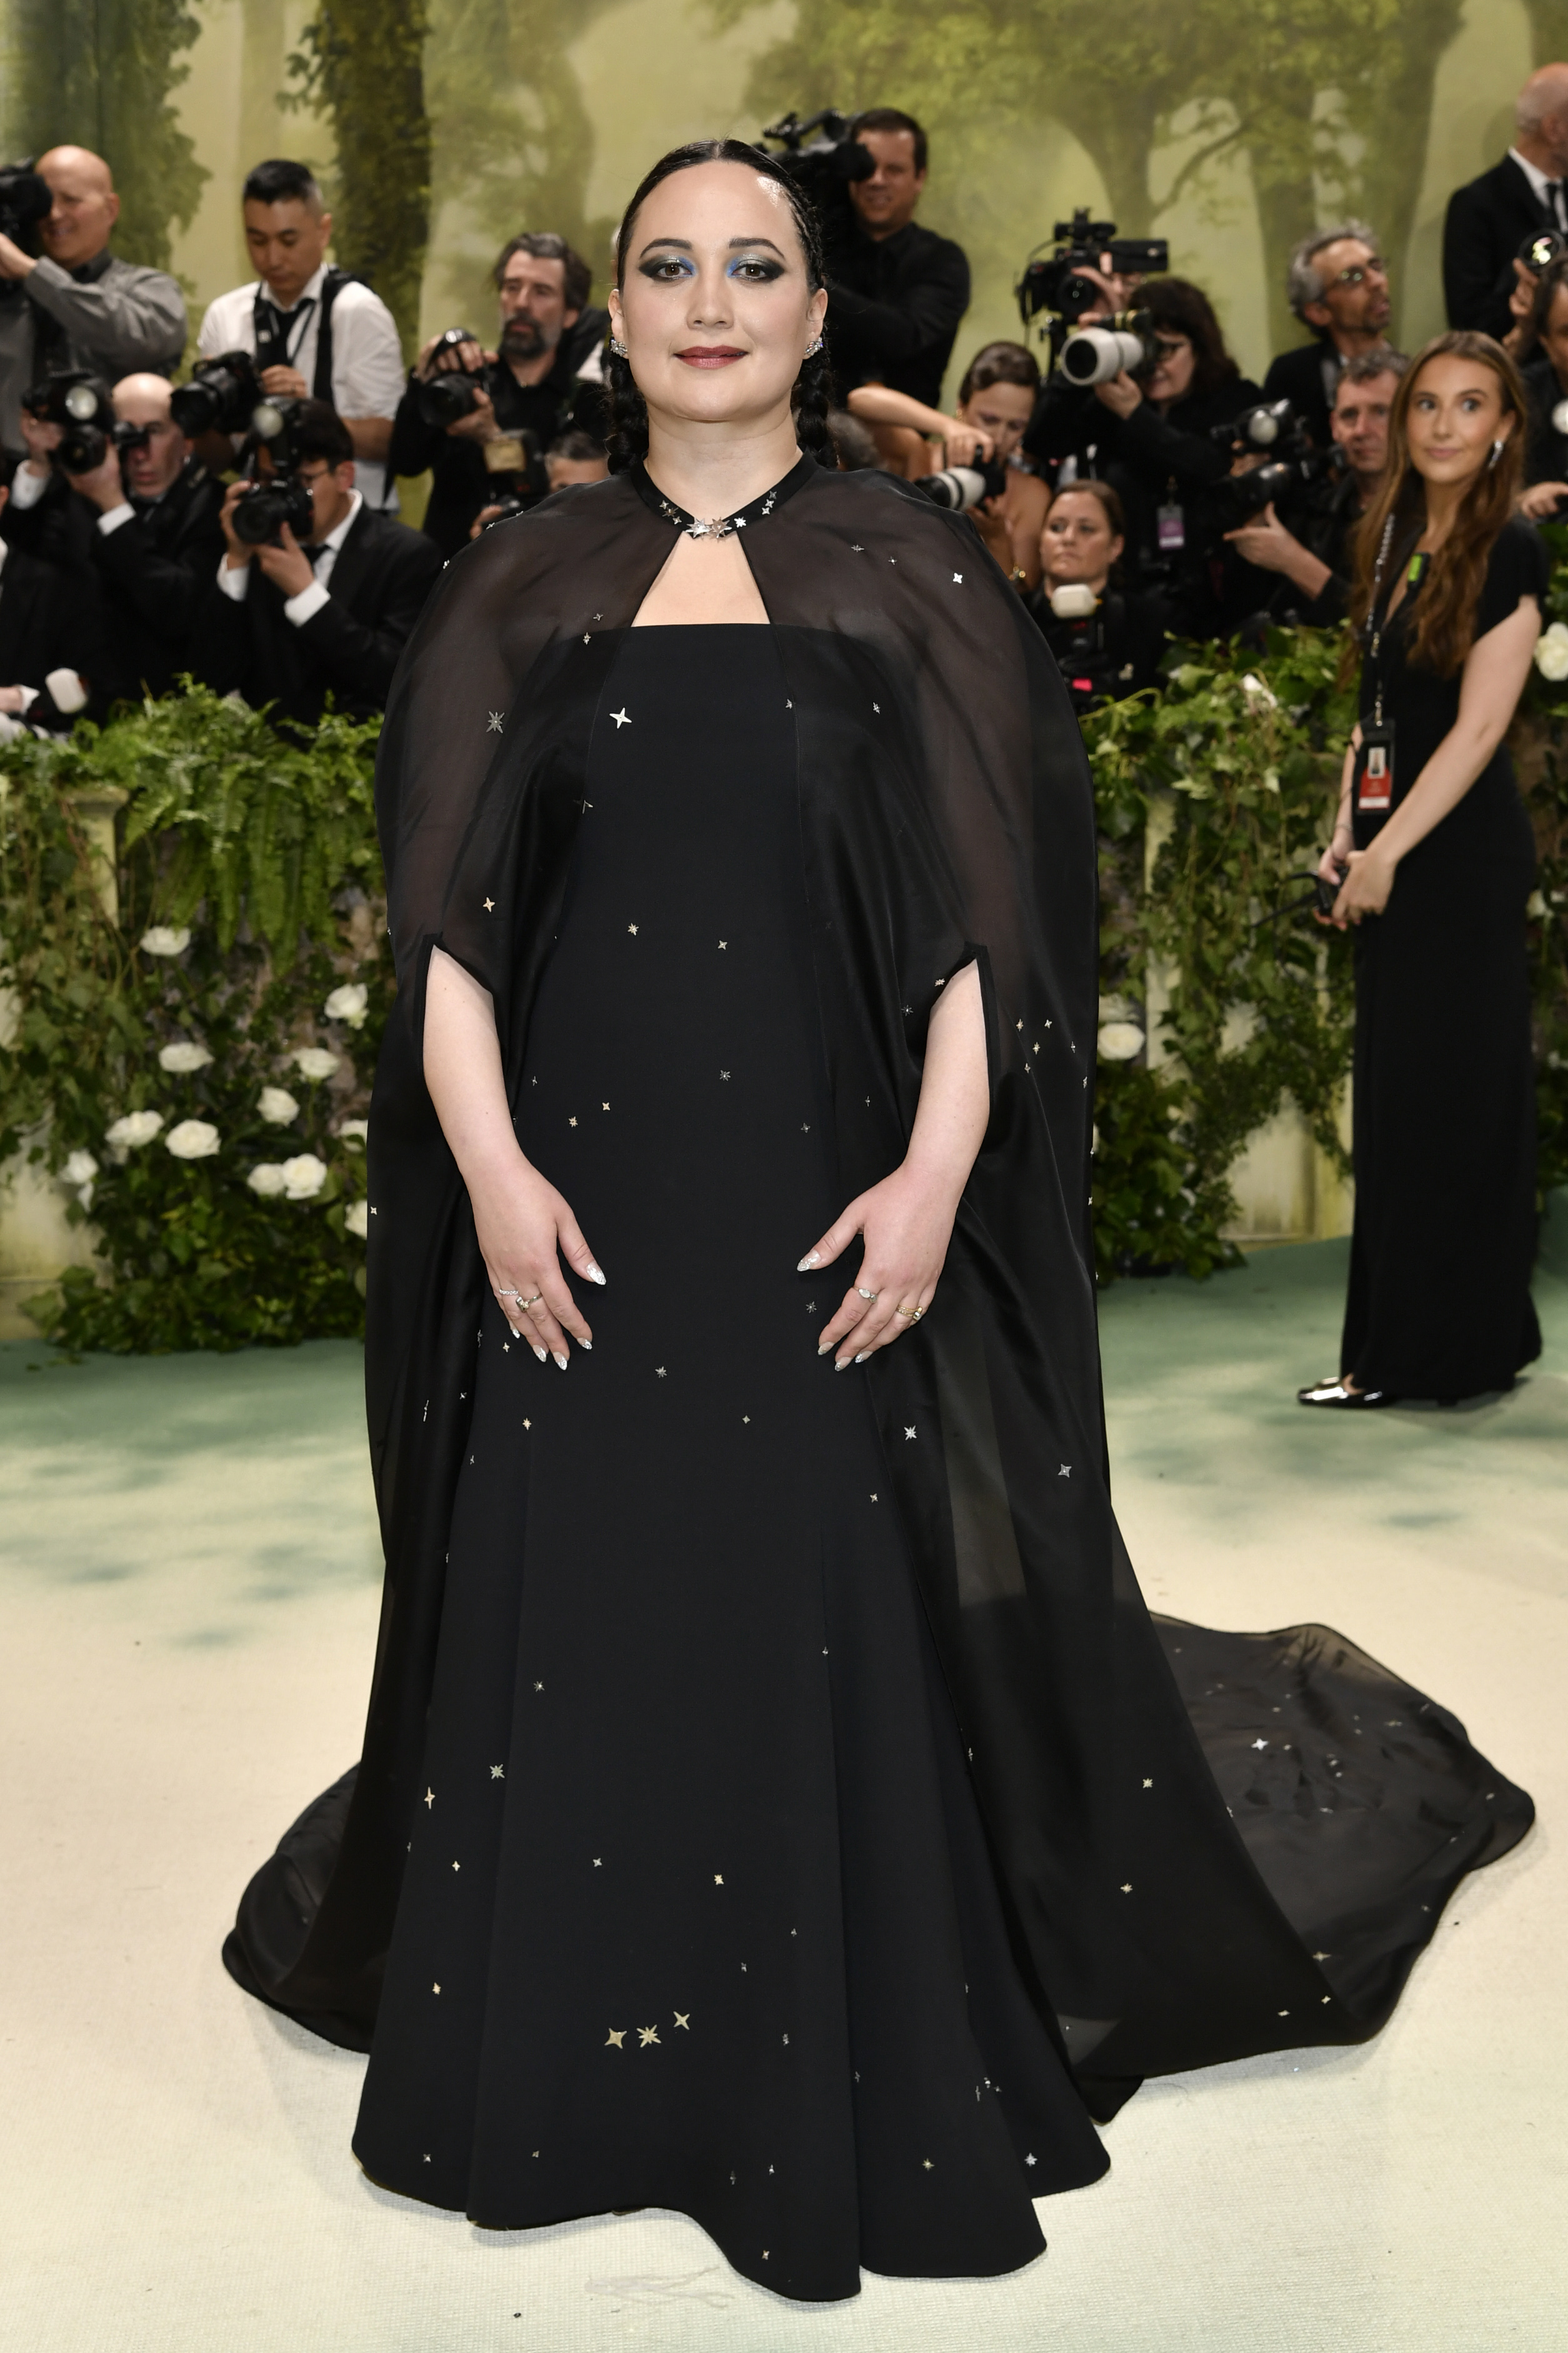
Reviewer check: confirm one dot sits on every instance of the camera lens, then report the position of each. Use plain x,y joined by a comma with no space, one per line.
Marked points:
81,402
446,397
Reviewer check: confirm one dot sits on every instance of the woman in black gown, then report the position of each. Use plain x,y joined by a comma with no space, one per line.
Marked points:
776,1803
1437,861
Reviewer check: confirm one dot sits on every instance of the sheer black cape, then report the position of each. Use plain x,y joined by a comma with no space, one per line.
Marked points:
1169,1918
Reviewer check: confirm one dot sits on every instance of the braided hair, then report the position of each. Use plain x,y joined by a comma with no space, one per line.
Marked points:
813,395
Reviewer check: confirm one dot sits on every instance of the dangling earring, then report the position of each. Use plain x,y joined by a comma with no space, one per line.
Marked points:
617,348
813,348
1497,453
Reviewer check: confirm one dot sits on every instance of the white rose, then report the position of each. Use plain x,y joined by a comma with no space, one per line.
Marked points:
266,1178
184,1056
80,1169
132,1129
315,1061
276,1106
1120,1041
303,1176
164,939
193,1139
1257,694
1535,904
354,1131
348,1004
356,1218
1551,652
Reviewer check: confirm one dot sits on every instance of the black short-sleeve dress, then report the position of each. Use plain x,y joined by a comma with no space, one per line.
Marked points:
1440,1301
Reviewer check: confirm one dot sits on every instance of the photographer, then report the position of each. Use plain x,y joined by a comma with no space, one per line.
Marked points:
1149,435
897,292
314,332
75,304
1490,219
996,402
141,523
1338,286
543,379
326,618
573,459
48,639
1546,387
1314,561
1107,642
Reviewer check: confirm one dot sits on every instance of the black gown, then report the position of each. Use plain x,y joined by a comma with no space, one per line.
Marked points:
1444,1087
776,1802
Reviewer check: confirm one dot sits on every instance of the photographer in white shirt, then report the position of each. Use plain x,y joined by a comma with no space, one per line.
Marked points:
318,334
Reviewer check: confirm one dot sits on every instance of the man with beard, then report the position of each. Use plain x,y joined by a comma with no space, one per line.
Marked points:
543,380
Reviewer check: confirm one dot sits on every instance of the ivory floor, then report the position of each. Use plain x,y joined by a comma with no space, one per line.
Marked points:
188,1573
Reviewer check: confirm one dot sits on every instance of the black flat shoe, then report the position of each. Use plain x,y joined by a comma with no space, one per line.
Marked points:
1336,1394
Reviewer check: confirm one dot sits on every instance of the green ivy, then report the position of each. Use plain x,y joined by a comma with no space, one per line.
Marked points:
1213,799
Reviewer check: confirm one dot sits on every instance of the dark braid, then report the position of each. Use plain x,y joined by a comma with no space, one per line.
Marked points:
626,440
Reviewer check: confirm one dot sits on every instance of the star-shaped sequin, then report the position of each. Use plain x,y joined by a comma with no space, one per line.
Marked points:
908,1429
618,2036
632,929
497,1772
489,906
647,2034
683,2017
495,726
620,719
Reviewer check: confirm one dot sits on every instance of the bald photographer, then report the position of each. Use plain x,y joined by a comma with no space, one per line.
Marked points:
66,302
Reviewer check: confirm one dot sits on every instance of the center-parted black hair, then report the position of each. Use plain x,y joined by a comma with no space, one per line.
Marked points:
813,395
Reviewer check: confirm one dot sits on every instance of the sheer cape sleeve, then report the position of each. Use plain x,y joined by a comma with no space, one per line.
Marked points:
946,816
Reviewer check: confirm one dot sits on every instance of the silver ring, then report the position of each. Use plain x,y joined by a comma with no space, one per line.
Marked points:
860,1292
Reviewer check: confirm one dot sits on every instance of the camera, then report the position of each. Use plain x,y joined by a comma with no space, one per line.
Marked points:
1541,249
80,404
821,155
1092,355
224,396
259,516
445,398
25,201
1054,283
1273,430
958,488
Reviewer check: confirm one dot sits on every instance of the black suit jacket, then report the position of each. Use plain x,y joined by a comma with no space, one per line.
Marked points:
348,649
153,573
1487,222
45,625
894,308
1297,376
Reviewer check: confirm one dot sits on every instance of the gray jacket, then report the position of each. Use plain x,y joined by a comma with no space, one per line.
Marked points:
111,316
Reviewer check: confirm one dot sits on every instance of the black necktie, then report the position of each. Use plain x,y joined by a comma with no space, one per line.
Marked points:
1554,198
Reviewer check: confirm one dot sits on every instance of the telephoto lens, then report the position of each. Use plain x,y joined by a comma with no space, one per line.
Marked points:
962,487
1092,355
260,515
1262,428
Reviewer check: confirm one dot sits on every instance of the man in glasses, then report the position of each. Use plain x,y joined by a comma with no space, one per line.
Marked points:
1339,288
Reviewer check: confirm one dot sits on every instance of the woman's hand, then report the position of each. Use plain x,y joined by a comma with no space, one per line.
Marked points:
525,1229
1120,395
1366,886
907,1221
965,445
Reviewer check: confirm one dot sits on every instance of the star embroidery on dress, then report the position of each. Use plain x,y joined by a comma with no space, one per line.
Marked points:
878,709
647,2034
856,548
617,2037
873,1499
1126,1887
526,1423
723,1074
457,1866
718,1879
683,2017
538,1686
1261,1744
497,1772
1029,2160
495,726
429,1797
908,1429
958,579
926,2165
632,929
598,1862
435,1988
723,943
806,1127
489,906
659,1370
1066,1470
1147,1785
571,1122
620,719
604,1107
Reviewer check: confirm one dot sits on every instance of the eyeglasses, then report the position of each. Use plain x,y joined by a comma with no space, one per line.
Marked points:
1172,347
1359,272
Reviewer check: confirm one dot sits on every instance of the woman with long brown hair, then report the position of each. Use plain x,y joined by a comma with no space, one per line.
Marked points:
1434,854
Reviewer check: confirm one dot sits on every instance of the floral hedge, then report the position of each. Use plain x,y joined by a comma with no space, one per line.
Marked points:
196,1074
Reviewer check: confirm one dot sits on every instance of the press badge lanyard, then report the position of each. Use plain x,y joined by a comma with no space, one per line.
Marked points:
1374,780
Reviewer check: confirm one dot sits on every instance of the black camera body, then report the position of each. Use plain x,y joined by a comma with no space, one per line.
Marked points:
80,404
960,488
1053,283
25,201
819,153
446,397
259,516
1273,430
222,397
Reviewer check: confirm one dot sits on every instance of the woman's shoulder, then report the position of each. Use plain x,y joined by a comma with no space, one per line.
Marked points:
1519,558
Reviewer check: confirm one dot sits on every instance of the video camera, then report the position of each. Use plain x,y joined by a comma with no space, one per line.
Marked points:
1055,283
25,201
224,396
1270,429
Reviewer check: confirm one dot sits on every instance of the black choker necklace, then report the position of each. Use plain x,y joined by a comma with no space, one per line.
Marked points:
721,526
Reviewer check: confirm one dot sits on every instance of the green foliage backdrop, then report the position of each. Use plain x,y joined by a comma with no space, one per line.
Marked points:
250,934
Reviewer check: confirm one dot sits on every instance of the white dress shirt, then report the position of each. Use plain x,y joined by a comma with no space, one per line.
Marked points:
367,359
235,579
1540,184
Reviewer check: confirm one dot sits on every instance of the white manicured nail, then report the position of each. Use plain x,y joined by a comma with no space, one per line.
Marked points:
862,1356
513,1330
561,1361
540,1354
586,1343
825,1348
844,1364
595,1275
808,1262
